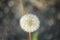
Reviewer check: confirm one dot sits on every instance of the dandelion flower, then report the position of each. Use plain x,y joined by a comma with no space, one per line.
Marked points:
29,22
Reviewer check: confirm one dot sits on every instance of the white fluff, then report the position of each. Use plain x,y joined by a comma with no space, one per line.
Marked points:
29,22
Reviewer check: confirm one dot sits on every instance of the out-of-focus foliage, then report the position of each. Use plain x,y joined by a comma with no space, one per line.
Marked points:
35,36
48,12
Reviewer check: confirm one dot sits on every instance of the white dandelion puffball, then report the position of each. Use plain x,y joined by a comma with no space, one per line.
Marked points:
29,22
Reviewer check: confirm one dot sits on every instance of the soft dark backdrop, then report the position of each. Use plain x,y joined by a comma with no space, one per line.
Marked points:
48,12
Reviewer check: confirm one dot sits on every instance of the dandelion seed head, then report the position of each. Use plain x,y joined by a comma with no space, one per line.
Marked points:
29,22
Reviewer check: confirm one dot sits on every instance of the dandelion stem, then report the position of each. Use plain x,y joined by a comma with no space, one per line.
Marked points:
29,36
